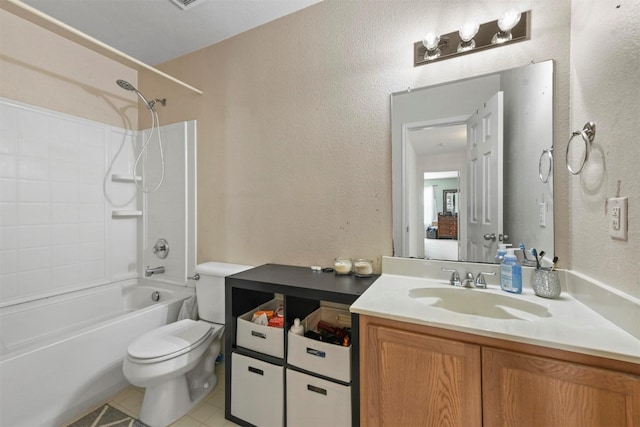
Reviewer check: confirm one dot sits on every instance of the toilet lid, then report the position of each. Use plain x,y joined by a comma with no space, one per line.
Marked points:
169,341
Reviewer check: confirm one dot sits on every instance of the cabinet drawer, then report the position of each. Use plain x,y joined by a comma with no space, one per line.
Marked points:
331,360
257,391
313,401
264,339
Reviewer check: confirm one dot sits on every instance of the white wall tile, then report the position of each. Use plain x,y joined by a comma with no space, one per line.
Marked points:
33,191
8,130
34,259
64,255
8,190
64,213
8,166
34,213
64,192
63,170
34,282
33,134
8,237
8,213
33,168
9,286
65,276
9,261
91,232
65,234
35,236
91,252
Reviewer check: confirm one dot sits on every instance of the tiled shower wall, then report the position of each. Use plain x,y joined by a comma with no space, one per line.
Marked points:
56,231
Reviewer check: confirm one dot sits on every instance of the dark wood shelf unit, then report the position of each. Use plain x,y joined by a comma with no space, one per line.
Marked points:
302,290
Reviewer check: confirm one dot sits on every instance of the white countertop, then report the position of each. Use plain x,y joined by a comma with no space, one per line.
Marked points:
571,325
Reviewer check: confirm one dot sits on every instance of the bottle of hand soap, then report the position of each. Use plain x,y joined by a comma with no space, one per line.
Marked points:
511,273
502,251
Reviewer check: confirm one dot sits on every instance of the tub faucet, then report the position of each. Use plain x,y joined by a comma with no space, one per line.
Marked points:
155,270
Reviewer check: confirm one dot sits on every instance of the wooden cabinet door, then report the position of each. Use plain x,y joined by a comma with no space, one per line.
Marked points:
409,379
522,390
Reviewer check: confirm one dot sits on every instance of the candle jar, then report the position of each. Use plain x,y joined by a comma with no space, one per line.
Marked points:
343,265
363,267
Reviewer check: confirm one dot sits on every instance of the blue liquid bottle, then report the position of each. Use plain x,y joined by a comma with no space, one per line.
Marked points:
511,273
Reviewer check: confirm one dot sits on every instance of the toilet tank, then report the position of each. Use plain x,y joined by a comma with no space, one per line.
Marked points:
210,288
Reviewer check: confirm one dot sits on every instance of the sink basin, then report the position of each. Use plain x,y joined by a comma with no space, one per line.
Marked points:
480,303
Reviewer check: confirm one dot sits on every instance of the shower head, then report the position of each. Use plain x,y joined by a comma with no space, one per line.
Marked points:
128,86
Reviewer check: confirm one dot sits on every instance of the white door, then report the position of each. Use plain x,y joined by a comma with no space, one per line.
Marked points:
485,160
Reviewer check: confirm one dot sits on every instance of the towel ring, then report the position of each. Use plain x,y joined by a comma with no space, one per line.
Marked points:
588,134
548,152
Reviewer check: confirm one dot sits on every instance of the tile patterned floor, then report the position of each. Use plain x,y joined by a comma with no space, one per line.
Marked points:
208,413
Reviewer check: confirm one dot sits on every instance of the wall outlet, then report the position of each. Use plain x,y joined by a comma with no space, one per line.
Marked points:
618,214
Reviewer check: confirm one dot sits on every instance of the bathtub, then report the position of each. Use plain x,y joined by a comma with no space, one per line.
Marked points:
60,356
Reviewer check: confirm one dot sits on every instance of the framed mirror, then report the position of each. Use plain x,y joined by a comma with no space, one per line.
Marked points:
490,131
449,202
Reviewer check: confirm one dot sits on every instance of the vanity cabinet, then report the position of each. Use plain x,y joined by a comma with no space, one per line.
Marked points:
415,375
412,379
274,378
554,393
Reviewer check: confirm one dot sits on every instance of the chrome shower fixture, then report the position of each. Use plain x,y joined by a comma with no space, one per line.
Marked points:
149,104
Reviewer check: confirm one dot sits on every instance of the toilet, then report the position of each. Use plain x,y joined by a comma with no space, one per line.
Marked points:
175,363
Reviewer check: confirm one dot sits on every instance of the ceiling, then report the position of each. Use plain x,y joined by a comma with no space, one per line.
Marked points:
154,31
439,139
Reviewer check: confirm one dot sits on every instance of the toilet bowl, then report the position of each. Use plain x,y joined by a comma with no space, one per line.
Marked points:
164,362
176,362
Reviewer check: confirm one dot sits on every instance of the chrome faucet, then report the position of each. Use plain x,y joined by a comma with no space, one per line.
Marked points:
469,281
480,281
455,277
155,270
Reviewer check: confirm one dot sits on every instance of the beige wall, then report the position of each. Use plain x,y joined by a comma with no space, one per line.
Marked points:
40,68
294,124
605,89
294,129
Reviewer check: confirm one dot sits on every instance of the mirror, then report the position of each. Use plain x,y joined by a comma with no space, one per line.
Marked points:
449,201
466,163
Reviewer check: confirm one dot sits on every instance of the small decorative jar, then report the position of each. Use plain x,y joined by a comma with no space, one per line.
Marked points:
363,267
343,265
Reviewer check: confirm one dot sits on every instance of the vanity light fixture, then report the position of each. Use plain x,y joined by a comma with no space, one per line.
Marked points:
512,27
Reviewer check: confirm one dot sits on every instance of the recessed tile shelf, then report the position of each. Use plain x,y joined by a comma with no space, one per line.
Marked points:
125,213
125,178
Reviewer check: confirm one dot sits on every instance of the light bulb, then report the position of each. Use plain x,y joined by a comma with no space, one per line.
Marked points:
431,40
505,24
468,31
509,20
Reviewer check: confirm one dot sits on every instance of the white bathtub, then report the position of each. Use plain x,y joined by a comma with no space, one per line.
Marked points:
62,355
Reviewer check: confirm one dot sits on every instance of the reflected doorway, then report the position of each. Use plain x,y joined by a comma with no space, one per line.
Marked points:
441,204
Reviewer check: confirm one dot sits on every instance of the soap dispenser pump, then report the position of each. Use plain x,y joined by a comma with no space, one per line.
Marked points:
502,251
511,273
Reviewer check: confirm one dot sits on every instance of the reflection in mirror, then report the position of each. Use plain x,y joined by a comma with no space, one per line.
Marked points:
485,135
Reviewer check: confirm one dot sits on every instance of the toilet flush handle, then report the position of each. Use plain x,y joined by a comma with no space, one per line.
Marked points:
194,277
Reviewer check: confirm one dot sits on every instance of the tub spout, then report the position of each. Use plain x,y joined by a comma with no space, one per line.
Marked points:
155,270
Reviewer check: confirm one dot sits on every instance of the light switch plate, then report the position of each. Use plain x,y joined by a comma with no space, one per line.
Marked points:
618,213
542,212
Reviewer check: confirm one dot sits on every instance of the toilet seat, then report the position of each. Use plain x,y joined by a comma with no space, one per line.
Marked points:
170,341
